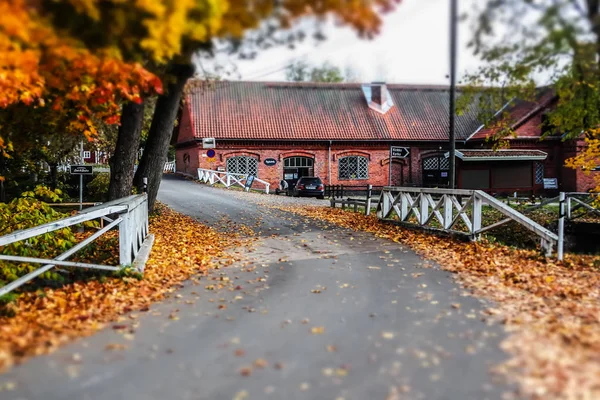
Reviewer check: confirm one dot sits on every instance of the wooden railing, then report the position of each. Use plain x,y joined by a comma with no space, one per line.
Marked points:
134,240
229,179
455,211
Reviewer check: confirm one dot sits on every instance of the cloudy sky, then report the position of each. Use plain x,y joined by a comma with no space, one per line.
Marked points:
412,48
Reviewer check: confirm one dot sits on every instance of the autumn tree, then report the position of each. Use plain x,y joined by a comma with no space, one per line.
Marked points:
523,43
301,71
264,16
78,63
53,85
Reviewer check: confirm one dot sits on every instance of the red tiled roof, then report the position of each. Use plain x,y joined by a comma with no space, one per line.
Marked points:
501,155
310,111
525,117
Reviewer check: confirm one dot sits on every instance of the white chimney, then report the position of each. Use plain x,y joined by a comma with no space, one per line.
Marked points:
378,97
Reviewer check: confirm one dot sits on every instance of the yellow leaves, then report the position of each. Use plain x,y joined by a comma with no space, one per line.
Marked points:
115,346
588,157
317,330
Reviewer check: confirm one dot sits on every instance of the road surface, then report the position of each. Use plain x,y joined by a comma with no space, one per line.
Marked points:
324,313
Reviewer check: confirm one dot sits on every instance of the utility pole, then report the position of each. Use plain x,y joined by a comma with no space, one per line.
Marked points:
453,38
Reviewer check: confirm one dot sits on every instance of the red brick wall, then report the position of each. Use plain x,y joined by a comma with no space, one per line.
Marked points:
406,171
186,126
186,160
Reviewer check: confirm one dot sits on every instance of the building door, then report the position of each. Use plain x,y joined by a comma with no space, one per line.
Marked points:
297,167
435,171
397,173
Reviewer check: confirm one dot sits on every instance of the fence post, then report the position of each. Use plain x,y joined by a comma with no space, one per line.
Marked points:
342,192
477,202
447,211
385,204
125,242
561,225
369,196
424,208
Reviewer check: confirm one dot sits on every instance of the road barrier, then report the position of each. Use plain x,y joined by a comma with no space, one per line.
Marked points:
134,240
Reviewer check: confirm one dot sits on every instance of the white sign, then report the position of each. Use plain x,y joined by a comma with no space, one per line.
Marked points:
209,143
550,183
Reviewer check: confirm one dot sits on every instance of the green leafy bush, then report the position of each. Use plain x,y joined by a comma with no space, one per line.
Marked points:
26,212
98,187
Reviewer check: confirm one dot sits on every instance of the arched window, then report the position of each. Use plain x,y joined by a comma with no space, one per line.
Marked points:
353,167
242,165
302,162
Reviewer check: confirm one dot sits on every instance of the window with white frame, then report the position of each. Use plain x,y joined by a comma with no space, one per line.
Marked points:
242,165
353,167
86,154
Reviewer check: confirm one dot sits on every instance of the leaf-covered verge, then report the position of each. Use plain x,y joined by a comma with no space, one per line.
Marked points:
551,309
48,318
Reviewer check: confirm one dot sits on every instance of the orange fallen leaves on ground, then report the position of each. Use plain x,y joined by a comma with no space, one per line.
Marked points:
47,319
552,309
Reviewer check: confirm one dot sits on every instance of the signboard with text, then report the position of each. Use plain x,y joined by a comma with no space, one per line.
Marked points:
81,169
399,152
550,183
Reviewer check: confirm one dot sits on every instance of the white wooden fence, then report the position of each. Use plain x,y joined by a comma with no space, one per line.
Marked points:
452,210
169,167
134,240
229,179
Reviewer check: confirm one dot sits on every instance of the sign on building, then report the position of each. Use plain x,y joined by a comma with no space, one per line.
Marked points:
209,143
550,183
399,152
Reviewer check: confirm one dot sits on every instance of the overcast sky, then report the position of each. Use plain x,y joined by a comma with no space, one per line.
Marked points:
412,48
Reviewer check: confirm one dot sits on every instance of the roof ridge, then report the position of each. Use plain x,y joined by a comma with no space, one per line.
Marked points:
357,85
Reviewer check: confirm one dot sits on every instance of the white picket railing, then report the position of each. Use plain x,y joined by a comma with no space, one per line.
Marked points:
169,166
134,240
457,211
228,179
573,205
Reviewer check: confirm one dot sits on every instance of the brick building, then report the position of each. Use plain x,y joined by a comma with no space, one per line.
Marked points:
343,132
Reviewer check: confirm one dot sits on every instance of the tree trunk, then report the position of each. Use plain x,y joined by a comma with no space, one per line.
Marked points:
123,160
53,175
159,137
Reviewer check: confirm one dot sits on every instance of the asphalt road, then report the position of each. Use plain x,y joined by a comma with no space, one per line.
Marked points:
324,313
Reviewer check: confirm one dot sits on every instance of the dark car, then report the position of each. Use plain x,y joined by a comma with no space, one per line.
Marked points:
309,186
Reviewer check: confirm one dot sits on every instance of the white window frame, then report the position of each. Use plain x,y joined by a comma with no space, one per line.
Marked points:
87,154
245,165
361,168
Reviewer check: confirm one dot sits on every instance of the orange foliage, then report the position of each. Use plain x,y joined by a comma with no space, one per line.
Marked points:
46,66
43,68
49,318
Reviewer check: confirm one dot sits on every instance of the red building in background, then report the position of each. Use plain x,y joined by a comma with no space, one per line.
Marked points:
343,133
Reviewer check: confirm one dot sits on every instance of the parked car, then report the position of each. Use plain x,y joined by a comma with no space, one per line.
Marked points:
309,186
